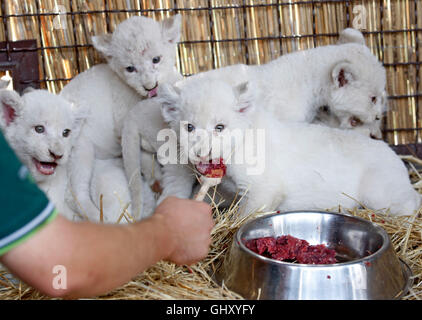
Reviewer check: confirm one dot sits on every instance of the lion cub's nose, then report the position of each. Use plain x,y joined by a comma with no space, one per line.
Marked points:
55,156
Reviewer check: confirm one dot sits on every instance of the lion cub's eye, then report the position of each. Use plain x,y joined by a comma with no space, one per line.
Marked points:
66,133
130,69
156,60
190,127
219,127
39,129
374,100
354,121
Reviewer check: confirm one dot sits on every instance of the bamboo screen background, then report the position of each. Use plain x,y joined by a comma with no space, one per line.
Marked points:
217,33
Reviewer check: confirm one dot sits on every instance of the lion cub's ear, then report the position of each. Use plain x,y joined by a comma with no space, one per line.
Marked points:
11,106
28,90
169,97
351,35
343,74
81,113
171,28
102,43
245,94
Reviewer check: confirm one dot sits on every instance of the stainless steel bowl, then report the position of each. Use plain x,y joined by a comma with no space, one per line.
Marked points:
368,267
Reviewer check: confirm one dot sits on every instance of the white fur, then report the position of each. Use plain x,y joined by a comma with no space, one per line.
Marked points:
344,77
40,108
139,146
4,83
351,35
307,166
109,180
111,91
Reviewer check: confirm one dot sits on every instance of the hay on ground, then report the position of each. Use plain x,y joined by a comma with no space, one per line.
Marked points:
166,281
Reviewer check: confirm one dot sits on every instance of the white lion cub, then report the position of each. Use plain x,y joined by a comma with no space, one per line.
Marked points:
139,141
141,57
340,85
41,127
294,166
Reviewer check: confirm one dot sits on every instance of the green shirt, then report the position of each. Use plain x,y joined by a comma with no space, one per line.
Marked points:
24,208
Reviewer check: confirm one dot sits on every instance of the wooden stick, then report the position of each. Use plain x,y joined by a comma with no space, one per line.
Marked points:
206,183
101,209
202,192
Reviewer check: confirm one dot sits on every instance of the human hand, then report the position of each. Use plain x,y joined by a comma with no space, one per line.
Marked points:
189,225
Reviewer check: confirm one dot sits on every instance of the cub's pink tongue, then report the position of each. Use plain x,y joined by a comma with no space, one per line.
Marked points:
45,168
152,93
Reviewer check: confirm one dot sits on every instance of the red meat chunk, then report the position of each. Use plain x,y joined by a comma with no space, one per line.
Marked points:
288,248
212,169
267,244
318,254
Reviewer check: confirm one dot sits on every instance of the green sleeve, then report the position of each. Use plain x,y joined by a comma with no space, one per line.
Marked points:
24,207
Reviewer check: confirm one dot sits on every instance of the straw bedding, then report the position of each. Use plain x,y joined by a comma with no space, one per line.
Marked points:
167,281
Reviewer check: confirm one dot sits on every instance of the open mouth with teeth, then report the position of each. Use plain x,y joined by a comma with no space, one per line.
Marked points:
45,168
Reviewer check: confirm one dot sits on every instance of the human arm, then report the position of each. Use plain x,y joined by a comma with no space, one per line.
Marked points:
101,257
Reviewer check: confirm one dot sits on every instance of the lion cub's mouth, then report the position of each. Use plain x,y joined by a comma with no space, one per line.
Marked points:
45,168
212,169
153,91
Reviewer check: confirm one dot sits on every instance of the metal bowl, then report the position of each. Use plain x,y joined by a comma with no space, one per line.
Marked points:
368,266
